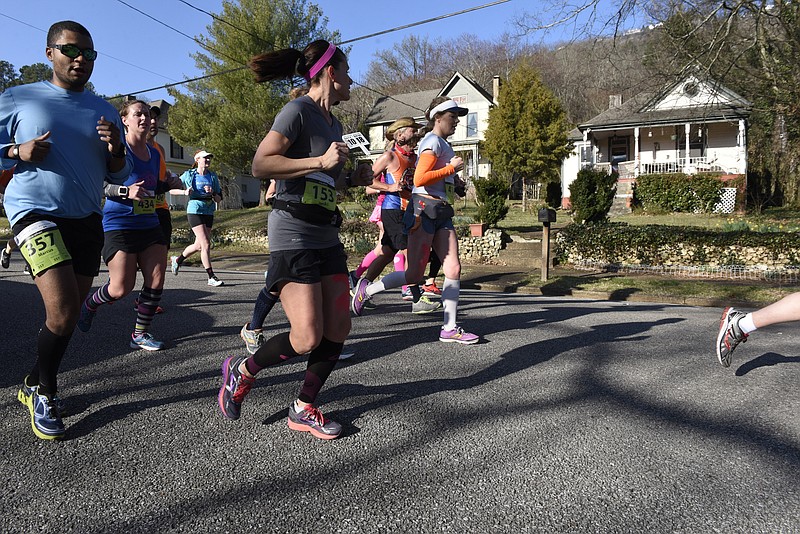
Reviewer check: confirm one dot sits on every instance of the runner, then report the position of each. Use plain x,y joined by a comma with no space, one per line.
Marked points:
305,153
133,236
65,141
205,193
429,221
396,166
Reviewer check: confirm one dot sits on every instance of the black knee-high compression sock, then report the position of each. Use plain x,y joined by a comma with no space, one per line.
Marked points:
321,362
51,350
275,350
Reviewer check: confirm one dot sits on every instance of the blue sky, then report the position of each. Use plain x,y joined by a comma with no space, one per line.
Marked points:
129,63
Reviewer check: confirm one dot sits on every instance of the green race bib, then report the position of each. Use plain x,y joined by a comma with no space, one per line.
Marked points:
42,246
319,194
144,207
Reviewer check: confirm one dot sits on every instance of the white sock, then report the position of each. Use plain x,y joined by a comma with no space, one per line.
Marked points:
450,291
746,324
390,281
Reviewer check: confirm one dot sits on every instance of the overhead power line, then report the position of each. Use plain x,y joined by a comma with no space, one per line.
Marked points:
361,38
101,52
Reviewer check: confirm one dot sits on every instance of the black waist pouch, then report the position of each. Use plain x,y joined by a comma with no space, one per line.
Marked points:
433,208
310,213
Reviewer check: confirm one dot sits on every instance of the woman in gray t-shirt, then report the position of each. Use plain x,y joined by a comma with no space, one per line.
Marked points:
304,153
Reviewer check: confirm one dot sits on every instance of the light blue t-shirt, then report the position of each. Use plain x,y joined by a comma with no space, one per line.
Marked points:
444,153
201,203
69,181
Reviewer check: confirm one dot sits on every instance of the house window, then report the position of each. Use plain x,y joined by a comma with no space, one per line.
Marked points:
175,150
618,150
697,145
472,125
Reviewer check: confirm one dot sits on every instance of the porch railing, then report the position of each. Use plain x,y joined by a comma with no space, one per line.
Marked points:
694,165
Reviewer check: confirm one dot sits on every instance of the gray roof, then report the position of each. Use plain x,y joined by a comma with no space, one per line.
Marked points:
635,112
389,108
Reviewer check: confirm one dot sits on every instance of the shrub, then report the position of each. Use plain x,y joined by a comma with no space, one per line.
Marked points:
592,194
491,194
677,192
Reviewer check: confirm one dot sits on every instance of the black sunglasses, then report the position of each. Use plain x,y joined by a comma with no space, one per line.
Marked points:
72,51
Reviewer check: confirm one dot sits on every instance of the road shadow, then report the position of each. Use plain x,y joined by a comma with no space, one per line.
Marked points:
765,360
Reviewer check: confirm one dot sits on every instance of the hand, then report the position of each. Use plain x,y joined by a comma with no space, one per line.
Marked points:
457,163
136,191
394,188
109,133
334,156
36,149
362,175
207,189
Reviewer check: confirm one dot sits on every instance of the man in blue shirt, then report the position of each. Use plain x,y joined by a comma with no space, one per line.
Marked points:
64,142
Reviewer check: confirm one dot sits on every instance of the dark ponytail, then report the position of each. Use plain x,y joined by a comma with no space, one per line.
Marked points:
288,63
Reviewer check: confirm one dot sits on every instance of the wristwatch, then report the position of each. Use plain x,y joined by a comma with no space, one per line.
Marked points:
123,191
14,152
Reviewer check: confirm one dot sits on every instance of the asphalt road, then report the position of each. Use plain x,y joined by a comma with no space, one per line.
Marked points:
570,416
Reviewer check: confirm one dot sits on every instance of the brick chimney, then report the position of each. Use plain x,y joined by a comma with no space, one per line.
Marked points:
495,88
614,101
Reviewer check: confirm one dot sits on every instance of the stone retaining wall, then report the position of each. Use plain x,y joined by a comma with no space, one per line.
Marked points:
470,248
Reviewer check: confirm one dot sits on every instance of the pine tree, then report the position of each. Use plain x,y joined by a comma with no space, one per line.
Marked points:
229,114
527,133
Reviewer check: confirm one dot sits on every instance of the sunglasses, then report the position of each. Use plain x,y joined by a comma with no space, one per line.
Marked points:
72,51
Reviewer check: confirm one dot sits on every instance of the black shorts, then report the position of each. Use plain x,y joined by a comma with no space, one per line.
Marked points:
131,241
82,237
165,220
305,266
393,235
196,219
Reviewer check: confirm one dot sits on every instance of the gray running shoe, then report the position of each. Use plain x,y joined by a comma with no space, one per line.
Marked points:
425,305
253,339
175,266
730,335
310,419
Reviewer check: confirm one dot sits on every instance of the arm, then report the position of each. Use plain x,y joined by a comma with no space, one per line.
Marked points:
424,173
378,168
270,161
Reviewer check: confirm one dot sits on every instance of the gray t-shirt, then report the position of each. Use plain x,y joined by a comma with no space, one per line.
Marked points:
303,124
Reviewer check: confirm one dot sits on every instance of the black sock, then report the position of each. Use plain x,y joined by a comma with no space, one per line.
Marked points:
321,362
416,293
277,349
51,349
180,259
210,272
264,304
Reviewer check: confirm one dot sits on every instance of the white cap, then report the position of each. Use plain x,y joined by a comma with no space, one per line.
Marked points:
448,105
202,154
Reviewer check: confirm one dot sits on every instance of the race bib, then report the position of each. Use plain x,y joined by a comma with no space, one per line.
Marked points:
320,190
450,192
146,206
42,246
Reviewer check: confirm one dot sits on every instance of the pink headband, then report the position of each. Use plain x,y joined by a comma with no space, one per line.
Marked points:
320,64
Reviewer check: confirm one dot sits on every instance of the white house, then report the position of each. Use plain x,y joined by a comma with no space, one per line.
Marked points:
650,134
469,132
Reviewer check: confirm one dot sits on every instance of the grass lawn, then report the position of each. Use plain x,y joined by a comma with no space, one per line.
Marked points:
519,222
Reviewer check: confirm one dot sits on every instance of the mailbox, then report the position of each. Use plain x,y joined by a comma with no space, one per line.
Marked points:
547,215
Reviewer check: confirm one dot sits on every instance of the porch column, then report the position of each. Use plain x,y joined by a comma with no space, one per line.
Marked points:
741,145
636,152
686,128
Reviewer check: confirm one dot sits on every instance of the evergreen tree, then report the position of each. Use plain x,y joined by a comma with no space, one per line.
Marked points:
527,132
228,114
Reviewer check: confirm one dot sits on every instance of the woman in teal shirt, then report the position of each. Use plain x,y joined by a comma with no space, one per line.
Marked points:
205,192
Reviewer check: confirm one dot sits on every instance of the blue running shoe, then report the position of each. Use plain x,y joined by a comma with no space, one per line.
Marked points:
45,419
145,341
310,419
235,386
25,392
86,317
360,297
175,265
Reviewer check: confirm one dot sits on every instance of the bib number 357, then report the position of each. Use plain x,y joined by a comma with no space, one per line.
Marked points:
42,246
